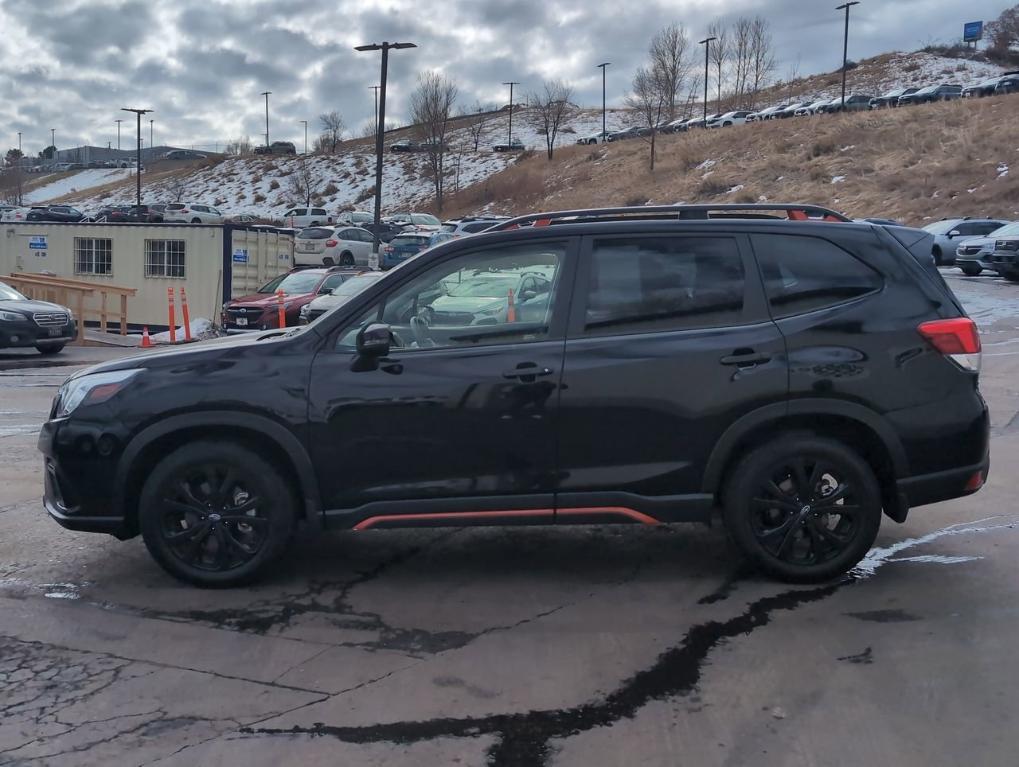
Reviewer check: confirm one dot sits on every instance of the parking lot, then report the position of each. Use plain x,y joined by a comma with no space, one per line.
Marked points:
515,646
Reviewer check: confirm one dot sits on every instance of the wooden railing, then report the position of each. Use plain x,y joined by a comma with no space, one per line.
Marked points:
72,294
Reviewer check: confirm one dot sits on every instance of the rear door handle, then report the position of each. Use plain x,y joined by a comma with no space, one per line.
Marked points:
527,372
747,360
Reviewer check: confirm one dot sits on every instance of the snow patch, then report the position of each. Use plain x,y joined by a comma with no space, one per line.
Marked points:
837,179
737,188
1002,170
707,164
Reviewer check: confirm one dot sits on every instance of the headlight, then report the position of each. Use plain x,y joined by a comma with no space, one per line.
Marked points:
306,310
93,389
12,317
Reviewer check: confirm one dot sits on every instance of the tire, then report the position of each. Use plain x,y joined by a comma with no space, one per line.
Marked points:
50,349
347,259
936,252
185,522
196,221
1011,276
971,271
781,524
328,261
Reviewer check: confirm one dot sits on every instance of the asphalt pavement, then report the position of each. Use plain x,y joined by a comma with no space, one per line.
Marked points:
516,647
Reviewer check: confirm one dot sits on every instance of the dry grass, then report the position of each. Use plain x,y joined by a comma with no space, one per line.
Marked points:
911,164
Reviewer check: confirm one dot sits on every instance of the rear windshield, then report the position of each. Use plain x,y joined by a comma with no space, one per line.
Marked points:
315,233
424,219
175,206
410,239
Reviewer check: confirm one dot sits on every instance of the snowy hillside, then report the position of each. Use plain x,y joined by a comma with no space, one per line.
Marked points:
74,182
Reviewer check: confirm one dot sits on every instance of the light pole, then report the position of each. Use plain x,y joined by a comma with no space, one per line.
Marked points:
266,94
118,133
152,146
380,131
53,142
19,142
707,48
845,48
602,66
138,166
509,139
305,122
376,89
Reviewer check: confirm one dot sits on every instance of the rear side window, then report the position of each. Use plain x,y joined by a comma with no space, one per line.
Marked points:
318,211
802,274
666,283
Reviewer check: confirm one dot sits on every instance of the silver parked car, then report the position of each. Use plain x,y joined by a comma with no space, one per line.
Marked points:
949,233
973,255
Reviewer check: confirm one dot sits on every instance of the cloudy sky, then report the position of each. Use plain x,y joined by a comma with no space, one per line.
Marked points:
201,64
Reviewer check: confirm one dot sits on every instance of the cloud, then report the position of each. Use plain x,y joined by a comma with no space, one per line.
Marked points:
201,64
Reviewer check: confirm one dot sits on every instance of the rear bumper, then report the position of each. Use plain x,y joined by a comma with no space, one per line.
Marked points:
944,485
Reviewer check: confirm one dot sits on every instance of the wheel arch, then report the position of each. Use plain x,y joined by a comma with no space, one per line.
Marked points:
853,424
258,433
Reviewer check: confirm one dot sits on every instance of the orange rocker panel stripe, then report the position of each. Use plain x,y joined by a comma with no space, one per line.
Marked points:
636,516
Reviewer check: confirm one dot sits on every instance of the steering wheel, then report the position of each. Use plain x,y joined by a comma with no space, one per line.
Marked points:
419,326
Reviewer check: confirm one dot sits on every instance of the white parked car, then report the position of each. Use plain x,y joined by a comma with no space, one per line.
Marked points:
14,214
461,227
355,217
326,246
594,138
301,218
191,213
422,222
729,119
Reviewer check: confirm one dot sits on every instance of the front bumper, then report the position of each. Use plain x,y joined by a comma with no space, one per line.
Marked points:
981,259
1003,262
28,333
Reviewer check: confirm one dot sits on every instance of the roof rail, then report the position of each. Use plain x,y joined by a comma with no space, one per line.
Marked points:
793,212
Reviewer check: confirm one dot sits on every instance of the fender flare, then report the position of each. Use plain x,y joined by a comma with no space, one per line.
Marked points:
779,411
266,427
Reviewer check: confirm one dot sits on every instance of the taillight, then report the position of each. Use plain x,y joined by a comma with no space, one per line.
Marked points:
390,249
957,338
332,243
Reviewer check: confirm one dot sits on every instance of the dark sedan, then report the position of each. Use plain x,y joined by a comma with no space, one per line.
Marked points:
931,94
56,214
25,323
891,99
1007,84
146,214
386,231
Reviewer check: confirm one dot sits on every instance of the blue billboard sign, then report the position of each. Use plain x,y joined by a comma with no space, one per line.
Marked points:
973,32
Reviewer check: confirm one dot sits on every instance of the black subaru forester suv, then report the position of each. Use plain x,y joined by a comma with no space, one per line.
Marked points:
792,371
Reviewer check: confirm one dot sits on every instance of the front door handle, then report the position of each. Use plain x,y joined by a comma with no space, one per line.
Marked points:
746,359
527,372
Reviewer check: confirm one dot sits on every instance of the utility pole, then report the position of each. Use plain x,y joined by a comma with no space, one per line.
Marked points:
707,48
118,133
152,146
266,94
138,167
376,89
509,139
19,142
845,48
305,135
53,142
379,134
602,66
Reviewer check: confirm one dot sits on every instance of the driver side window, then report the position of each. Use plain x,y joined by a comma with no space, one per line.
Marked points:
496,296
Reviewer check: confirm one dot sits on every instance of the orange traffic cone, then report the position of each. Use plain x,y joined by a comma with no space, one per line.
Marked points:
146,341
511,308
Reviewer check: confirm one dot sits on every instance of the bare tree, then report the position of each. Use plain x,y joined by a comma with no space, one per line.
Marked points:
480,116
741,49
322,144
1003,34
239,146
14,177
649,98
551,109
333,127
177,187
432,110
718,54
369,129
300,183
762,55
670,60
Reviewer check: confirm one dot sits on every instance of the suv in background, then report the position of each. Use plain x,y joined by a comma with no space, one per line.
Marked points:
277,147
796,376
973,255
260,310
981,89
145,214
1005,258
191,213
56,214
855,103
301,218
891,99
932,93
949,233
345,246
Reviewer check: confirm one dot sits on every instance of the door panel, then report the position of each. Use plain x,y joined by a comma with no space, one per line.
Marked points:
646,393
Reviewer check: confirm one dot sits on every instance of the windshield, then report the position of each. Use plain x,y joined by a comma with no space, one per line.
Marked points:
7,293
293,284
355,285
928,89
485,286
424,219
941,227
1008,230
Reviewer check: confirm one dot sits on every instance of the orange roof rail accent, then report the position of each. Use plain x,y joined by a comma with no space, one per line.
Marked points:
798,215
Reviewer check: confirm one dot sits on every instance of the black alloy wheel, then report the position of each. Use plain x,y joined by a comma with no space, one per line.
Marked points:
803,508
347,259
215,513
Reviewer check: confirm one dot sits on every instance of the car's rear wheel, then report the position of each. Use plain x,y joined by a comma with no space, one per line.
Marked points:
971,271
50,348
196,221
347,259
803,508
328,261
216,514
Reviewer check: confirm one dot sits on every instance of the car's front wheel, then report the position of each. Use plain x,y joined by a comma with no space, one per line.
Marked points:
196,221
347,259
971,271
803,508
216,513
49,348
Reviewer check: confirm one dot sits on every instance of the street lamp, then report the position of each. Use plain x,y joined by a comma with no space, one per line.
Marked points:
379,131
19,142
152,146
376,89
602,66
509,140
707,48
53,141
266,94
138,167
845,47
305,135
118,133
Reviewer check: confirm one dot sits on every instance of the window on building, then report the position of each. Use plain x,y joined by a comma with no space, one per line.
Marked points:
93,255
164,258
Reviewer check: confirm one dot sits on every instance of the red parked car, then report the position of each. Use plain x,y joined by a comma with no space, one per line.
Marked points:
260,311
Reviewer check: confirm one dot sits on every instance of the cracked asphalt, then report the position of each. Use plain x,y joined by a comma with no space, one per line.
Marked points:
518,647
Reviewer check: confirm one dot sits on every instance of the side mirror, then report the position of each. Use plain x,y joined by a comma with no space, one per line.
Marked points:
374,340
954,233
